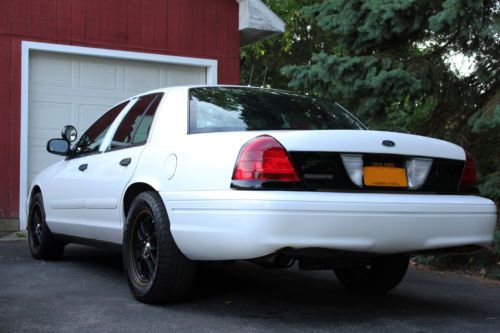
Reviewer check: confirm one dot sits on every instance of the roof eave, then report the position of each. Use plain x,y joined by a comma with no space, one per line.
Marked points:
257,22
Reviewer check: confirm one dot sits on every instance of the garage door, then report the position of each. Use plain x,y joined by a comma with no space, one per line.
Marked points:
70,89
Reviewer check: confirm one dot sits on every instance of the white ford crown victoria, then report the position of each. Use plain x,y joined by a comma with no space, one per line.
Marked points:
187,174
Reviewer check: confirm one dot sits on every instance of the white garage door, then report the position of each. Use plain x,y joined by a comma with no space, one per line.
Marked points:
69,89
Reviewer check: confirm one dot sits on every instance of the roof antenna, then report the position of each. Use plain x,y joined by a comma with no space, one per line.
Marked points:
264,82
251,75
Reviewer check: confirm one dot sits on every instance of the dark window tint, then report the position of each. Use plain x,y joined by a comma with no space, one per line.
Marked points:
216,109
134,128
90,141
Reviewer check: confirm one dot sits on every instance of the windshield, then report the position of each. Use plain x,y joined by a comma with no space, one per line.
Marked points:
222,109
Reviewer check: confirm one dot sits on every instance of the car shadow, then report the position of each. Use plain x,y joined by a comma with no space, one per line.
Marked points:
246,291
298,297
106,263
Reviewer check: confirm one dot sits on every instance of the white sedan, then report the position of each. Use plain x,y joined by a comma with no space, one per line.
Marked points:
211,173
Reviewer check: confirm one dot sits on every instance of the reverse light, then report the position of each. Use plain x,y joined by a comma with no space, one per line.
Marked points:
353,163
468,182
264,159
417,170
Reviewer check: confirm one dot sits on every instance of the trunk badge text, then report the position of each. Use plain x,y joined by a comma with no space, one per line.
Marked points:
317,176
388,143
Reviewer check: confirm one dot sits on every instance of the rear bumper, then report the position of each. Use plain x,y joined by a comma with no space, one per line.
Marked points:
225,225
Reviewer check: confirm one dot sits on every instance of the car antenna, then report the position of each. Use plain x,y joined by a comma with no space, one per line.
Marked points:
264,82
251,75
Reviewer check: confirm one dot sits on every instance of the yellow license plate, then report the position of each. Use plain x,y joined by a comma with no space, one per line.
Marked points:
384,176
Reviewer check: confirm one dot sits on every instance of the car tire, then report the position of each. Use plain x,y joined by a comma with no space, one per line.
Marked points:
381,275
42,243
156,270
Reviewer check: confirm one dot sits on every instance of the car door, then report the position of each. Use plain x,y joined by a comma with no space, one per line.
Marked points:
109,173
65,193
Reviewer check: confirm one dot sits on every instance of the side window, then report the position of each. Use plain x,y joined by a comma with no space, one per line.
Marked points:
91,140
135,126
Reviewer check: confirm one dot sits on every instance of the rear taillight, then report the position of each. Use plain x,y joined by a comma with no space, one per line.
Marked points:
468,182
264,159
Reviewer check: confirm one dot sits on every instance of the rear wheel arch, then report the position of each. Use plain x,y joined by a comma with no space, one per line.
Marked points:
133,191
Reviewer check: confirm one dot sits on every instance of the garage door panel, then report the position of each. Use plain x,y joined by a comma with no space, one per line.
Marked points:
39,138
54,71
49,115
138,79
179,75
98,76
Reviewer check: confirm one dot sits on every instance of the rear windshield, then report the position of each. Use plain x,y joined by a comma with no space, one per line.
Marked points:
223,109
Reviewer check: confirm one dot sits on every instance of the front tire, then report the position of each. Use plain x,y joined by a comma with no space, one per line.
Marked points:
155,268
42,243
381,275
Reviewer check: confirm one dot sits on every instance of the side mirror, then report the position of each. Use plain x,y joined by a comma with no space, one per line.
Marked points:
69,133
58,147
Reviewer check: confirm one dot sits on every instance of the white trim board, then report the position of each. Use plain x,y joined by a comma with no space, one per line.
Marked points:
27,47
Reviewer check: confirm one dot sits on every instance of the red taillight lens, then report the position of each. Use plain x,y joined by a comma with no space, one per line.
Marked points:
265,159
469,180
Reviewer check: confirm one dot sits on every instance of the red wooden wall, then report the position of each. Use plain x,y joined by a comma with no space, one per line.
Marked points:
196,28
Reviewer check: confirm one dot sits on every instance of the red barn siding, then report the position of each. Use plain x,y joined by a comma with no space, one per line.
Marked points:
192,28
5,111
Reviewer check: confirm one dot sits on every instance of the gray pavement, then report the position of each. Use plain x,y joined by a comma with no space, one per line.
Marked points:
86,292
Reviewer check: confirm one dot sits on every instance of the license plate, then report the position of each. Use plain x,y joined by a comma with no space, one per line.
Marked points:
384,176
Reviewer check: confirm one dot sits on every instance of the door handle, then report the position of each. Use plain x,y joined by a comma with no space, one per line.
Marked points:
83,167
125,161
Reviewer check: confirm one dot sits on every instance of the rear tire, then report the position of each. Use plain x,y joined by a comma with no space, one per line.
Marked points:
381,275
155,268
43,245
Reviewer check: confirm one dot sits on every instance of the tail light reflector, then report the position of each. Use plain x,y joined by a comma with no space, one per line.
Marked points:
264,159
353,163
417,170
468,182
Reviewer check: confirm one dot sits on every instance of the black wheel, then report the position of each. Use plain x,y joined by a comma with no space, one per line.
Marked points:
381,275
155,268
42,243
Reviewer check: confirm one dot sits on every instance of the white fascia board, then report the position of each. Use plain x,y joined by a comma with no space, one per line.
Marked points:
257,21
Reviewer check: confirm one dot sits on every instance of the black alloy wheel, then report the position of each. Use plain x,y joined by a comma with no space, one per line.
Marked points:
156,270
145,251
35,226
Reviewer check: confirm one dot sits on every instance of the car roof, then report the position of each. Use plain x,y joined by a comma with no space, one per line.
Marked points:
186,87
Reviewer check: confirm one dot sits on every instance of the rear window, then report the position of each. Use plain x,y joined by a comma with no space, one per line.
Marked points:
216,109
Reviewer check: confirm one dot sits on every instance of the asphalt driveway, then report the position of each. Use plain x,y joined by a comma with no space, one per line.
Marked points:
86,292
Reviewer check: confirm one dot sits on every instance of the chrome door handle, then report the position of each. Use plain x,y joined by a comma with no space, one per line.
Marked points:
125,161
83,167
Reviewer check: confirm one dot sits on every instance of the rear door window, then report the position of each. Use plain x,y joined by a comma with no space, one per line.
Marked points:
135,126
